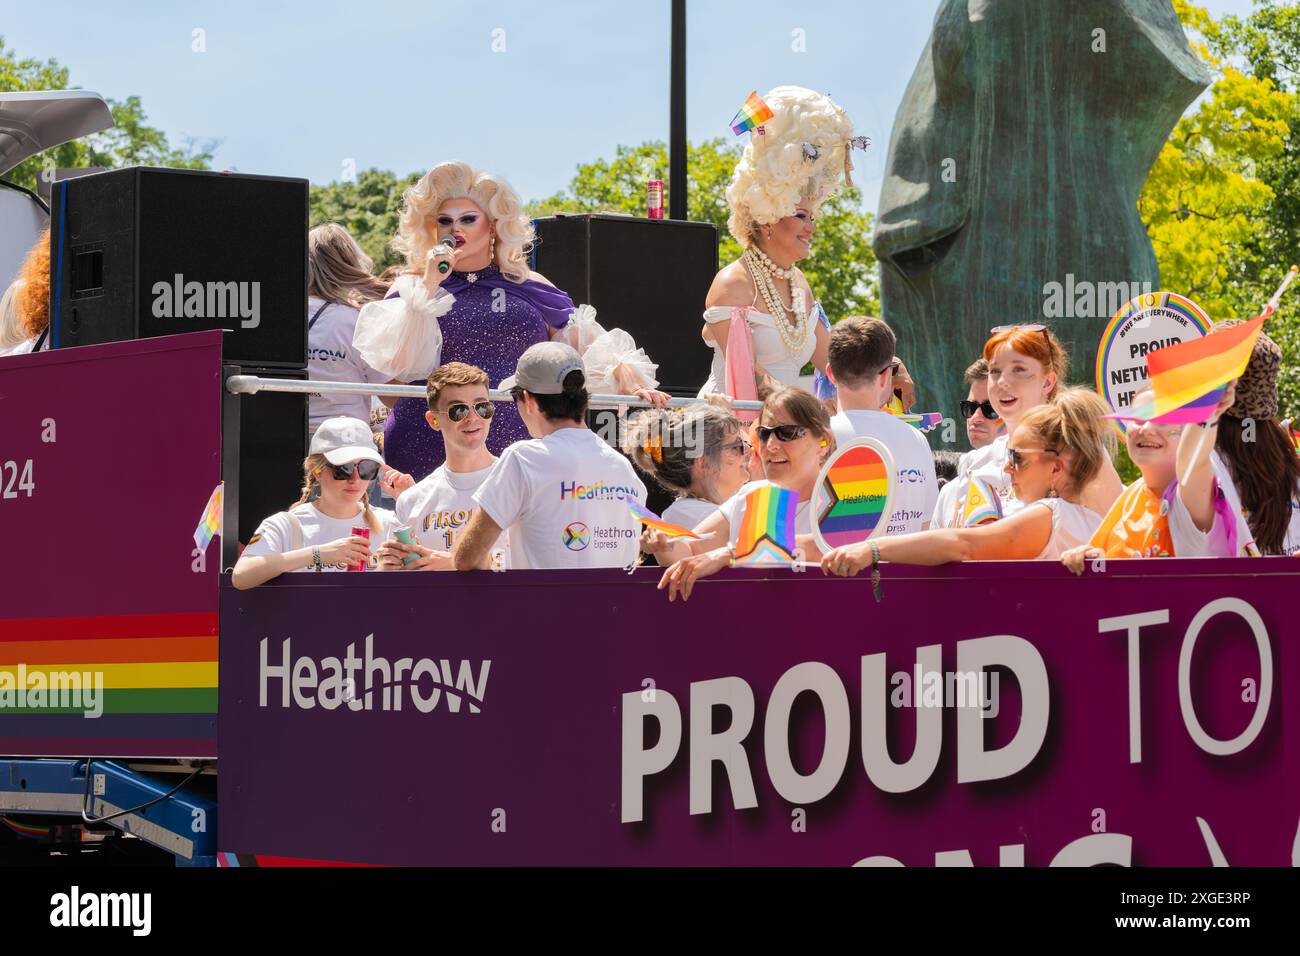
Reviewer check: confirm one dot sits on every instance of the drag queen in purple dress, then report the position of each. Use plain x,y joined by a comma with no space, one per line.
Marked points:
466,240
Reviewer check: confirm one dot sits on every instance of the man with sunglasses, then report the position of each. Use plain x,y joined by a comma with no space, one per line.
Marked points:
982,422
439,507
861,363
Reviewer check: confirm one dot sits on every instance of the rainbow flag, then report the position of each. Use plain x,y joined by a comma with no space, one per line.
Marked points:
652,520
210,523
767,526
983,506
925,421
753,113
1189,378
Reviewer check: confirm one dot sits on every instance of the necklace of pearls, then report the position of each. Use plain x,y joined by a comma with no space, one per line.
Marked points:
792,322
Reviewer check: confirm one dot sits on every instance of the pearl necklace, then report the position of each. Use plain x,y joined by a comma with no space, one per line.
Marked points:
793,332
770,267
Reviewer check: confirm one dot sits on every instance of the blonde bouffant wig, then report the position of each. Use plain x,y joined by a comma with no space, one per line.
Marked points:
418,231
776,171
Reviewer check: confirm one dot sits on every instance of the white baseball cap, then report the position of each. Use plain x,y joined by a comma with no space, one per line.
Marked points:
543,367
343,440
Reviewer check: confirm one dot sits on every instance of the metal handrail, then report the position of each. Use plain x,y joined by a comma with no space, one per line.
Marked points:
252,384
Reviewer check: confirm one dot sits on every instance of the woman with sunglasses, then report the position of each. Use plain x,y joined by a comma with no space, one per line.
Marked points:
438,508
1055,451
794,440
1027,368
699,454
318,535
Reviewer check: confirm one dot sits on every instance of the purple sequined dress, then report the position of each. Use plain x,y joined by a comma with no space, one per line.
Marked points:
476,333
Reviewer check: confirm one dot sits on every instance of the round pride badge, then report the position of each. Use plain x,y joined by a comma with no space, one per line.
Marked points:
851,500
1144,324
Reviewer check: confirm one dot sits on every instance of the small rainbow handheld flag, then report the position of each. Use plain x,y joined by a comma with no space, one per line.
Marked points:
1189,378
767,526
210,523
983,506
925,421
652,520
753,113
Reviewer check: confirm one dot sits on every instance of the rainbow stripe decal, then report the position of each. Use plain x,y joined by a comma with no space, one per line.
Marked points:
767,526
151,677
856,486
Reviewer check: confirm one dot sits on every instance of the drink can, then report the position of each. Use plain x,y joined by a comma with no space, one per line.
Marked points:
359,533
404,536
655,199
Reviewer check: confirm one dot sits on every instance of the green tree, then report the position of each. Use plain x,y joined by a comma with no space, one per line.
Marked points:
368,208
1220,203
131,142
842,269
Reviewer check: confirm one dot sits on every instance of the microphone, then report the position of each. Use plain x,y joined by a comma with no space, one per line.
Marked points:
444,247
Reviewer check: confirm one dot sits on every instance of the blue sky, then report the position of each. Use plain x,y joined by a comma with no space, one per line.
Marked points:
298,89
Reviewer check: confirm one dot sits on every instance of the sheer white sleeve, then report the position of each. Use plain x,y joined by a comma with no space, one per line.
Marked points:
401,337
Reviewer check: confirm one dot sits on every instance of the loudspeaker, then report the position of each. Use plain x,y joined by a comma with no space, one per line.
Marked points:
141,252
263,443
648,277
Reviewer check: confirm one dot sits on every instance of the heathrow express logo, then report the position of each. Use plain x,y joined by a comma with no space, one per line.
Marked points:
577,536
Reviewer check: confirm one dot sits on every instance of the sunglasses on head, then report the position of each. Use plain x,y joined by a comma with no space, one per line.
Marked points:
1035,327
458,411
783,433
969,408
368,470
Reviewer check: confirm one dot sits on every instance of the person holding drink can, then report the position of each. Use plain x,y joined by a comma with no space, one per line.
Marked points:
319,532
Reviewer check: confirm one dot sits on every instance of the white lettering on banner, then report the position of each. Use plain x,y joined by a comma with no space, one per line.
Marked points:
974,763
1132,625
1096,849
334,681
74,908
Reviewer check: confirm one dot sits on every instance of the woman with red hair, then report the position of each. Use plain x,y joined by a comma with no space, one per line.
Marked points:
1027,368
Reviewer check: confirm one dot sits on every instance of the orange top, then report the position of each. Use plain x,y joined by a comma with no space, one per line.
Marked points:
1137,526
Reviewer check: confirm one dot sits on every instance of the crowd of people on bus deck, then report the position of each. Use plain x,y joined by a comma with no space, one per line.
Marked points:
475,483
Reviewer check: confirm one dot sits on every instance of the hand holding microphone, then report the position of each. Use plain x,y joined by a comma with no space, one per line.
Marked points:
442,259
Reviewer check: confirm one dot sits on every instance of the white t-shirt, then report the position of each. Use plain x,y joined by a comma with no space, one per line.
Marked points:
733,509
438,507
1072,525
275,534
689,512
562,500
918,491
988,463
1228,482
331,358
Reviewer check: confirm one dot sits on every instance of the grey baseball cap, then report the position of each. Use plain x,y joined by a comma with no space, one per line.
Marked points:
543,367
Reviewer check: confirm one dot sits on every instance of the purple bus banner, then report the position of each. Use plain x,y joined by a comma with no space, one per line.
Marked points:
108,620
1000,714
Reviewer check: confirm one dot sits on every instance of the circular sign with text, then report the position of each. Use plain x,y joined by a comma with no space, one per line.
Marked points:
1148,322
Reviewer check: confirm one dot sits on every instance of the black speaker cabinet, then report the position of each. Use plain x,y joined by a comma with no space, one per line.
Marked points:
141,252
646,276
263,443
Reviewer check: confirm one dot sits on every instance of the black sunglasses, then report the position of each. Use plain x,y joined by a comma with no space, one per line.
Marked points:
782,432
969,408
457,411
368,470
